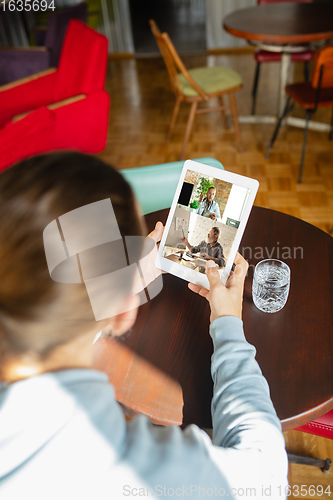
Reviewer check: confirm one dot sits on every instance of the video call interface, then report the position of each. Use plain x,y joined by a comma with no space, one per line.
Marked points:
205,221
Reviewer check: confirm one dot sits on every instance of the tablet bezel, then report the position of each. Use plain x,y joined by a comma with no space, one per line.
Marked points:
182,271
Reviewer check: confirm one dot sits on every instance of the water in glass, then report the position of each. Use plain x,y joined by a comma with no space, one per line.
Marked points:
270,286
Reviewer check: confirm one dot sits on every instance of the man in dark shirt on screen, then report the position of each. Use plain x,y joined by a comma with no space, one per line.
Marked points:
209,249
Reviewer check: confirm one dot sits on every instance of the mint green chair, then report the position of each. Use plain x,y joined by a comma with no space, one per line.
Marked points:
196,86
155,186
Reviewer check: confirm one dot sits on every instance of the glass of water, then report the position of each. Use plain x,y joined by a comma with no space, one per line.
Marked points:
270,287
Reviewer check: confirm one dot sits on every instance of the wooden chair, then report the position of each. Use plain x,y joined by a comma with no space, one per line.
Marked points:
317,94
265,56
197,85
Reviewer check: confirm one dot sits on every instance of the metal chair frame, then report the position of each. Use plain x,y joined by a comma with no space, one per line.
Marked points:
317,82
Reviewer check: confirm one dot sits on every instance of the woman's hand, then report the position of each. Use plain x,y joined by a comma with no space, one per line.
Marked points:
224,300
147,264
206,256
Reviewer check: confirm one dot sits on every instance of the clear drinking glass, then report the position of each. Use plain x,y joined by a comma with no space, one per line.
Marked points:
270,287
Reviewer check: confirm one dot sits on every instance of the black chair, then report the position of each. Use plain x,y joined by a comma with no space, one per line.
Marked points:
310,95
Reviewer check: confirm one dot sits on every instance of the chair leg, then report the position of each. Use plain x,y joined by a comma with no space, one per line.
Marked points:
306,71
255,88
308,116
173,119
236,123
277,127
330,135
324,465
224,117
188,128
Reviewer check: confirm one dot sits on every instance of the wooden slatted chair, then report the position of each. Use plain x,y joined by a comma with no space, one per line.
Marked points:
310,95
197,85
266,56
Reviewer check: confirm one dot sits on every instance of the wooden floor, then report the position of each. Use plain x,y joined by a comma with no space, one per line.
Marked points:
141,108
301,443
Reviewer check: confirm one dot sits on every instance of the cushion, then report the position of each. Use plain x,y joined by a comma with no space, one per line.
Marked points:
154,186
304,56
305,95
211,80
322,426
264,56
83,62
16,64
26,137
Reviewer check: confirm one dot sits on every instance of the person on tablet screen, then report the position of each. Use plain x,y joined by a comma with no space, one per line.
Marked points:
63,434
208,207
210,249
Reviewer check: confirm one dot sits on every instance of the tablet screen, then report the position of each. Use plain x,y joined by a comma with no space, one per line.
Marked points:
209,211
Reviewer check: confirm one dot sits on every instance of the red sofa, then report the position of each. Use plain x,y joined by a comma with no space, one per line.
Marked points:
66,107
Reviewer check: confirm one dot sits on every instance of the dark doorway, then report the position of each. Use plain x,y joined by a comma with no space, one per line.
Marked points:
183,20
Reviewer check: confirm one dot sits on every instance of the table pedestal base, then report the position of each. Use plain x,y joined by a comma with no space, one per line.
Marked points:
257,119
290,120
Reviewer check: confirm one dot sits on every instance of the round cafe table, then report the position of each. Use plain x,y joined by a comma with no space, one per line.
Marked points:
162,368
282,27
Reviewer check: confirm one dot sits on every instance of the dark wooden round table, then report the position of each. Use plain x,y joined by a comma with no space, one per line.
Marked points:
162,369
282,23
281,27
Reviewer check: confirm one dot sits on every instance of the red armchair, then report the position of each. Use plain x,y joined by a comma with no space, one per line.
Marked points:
78,105
19,62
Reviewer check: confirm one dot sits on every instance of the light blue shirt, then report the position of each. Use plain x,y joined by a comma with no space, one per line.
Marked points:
212,207
64,436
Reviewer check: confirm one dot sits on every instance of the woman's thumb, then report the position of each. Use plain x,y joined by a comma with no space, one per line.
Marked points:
212,272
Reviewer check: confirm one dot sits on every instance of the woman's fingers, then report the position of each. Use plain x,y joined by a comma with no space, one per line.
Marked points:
238,276
157,233
198,289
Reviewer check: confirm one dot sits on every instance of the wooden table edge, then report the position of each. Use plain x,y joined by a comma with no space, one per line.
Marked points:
310,415
306,417
279,39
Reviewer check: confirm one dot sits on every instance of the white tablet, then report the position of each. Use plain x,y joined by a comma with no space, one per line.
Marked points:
207,219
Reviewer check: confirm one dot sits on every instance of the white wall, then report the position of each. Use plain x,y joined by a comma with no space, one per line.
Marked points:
115,24
216,11
236,203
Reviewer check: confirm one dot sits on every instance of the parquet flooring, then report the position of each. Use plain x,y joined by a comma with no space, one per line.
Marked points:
141,108
301,443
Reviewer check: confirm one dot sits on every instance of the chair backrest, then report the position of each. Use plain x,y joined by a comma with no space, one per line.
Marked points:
324,58
262,2
57,27
173,62
83,62
155,186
